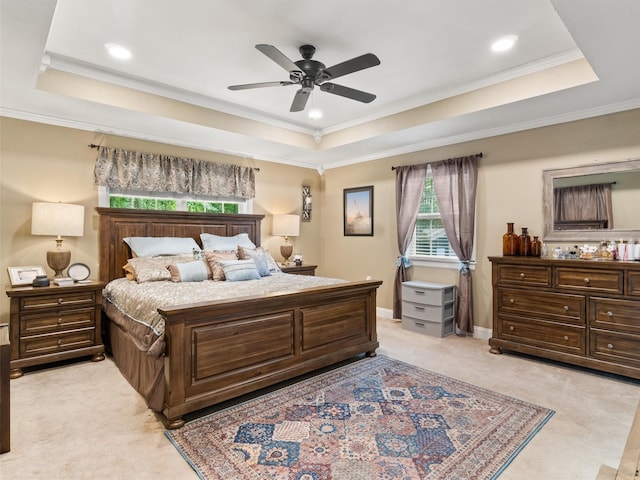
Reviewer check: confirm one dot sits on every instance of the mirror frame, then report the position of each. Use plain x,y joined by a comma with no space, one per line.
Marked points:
582,235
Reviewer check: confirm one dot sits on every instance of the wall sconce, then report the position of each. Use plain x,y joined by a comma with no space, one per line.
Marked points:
306,203
57,219
286,226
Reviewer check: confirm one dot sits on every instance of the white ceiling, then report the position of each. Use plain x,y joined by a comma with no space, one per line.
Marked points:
438,82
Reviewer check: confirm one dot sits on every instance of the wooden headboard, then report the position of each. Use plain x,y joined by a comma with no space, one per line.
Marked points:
118,223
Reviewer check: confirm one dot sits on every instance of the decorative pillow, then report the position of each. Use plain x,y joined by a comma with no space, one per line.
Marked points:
153,246
240,270
214,259
196,271
225,244
152,269
259,256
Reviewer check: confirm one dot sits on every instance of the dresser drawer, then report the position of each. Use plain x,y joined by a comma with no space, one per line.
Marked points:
524,275
558,307
562,338
433,313
53,343
615,347
610,313
60,300
56,321
609,281
633,283
428,293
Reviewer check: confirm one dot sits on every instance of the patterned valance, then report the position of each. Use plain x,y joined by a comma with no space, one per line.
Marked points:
126,169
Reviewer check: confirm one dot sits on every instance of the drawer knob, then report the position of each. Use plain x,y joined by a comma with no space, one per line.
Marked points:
609,313
522,275
610,346
566,308
511,300
512,328
587,280
59,301
59,342
59,320
566,337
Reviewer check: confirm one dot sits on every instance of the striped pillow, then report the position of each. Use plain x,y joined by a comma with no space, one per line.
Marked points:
240,270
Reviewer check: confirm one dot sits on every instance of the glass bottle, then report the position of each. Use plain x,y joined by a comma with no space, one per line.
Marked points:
536,247
510,241
525,243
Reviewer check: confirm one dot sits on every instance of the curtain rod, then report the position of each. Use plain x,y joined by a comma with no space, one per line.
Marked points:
94,146
479,155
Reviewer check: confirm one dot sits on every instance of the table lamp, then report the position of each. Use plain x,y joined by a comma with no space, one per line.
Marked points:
286,226
57,219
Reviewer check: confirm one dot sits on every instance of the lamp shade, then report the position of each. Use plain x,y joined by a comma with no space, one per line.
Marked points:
286,225
60,219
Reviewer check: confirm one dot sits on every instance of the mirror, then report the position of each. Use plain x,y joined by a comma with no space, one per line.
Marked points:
625,193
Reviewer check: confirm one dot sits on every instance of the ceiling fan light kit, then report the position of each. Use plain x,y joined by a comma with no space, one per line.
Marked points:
309,73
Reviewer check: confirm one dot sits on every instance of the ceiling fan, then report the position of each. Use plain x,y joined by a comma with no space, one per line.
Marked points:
308,73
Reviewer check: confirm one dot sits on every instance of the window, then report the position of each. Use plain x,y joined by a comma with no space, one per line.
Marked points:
172,201
429,238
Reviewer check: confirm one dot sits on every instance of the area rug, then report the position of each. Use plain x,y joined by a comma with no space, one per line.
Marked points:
375,419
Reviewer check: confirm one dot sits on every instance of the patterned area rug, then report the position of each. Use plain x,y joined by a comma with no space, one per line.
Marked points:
375,419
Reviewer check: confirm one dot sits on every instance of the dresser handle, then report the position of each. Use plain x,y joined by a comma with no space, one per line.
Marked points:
522,275
609,313
610,346
512,328
419,292
566,308
511,300
59,320
60,300
565,337
587,280
418,307
59,342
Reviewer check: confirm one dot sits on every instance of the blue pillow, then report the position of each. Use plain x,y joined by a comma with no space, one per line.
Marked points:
218,243
154,246
240,270
258,255
189,271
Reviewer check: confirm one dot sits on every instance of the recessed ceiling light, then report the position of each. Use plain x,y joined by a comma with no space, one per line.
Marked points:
504,43
315,114
118,51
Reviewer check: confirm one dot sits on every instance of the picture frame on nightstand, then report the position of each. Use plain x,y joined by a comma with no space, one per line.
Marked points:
24,275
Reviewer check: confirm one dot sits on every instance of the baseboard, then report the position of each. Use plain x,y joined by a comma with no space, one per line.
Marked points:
482,333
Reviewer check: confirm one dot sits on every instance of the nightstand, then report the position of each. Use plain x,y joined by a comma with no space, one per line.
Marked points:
49,324
300,270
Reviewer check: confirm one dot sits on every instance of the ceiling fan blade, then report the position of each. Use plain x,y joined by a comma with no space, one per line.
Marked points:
355,64
277,56
347,92
300,100
247,86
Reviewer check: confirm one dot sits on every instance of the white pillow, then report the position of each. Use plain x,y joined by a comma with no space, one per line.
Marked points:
154,246
218,243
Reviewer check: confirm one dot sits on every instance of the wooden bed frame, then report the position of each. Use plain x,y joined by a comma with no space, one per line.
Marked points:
219,350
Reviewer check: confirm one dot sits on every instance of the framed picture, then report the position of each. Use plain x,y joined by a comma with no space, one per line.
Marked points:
24,275
358,211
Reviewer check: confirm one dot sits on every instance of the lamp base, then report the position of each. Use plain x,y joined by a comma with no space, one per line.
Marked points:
286,250
58,260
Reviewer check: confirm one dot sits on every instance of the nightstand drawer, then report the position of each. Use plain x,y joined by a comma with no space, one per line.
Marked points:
56,321
54,343
60,300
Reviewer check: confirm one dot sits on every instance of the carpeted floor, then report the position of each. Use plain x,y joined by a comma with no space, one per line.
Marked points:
377,418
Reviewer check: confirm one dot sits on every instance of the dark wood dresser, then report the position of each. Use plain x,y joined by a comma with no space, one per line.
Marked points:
49,324
582,312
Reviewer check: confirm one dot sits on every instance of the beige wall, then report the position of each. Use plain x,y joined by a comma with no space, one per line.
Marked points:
39,162
509,190
47,163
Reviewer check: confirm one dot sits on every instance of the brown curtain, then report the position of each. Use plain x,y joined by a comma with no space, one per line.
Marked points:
409,185
455,183
583,202
150,172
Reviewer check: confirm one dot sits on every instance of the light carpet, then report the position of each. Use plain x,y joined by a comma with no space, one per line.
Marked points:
377,418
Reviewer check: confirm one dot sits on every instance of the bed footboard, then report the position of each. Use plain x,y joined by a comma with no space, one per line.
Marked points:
221,350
